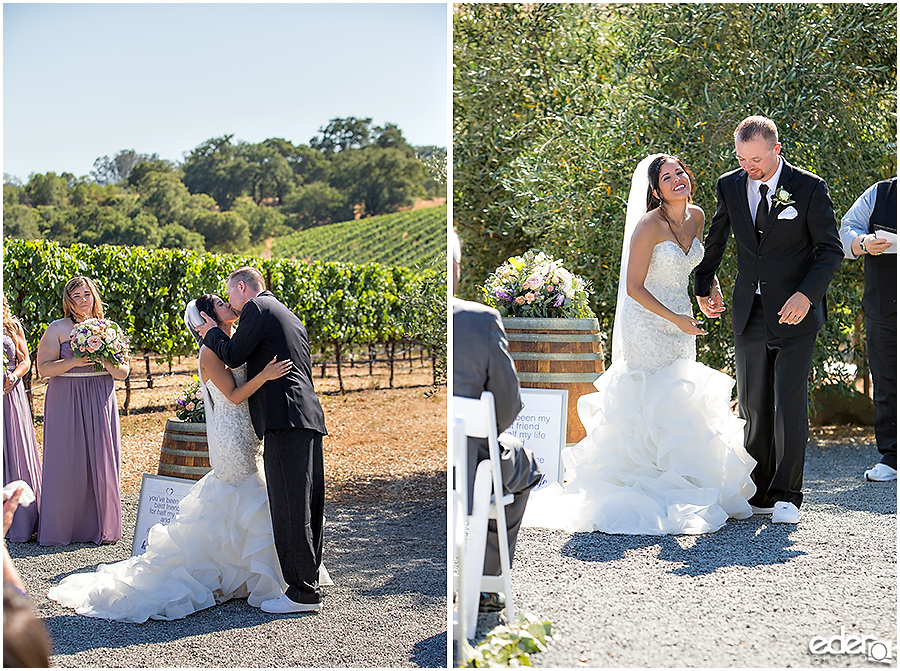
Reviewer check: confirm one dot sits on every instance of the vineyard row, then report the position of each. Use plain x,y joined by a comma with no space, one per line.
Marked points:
342,305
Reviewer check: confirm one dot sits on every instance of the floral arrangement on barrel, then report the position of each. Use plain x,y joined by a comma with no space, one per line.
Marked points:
537,285
97,340
189,403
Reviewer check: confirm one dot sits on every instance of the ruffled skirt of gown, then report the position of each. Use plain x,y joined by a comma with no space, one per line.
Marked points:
219,546
663,454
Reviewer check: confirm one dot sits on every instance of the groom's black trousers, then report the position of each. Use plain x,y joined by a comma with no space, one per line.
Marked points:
295,480
881,342
772,375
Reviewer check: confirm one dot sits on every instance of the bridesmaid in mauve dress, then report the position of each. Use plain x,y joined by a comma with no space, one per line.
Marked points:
20,453
81,500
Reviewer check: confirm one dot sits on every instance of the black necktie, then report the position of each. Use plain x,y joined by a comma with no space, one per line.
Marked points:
762,210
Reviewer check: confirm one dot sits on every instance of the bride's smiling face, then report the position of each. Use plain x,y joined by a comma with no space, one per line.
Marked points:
224,313
674,182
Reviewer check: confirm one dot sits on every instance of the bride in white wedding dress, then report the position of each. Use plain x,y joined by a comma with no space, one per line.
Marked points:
663,453
220,545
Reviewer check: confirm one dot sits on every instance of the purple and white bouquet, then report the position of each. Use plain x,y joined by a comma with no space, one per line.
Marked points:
536,285
97,340
189,403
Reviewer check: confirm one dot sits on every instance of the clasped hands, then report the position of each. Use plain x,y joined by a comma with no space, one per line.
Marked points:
792,312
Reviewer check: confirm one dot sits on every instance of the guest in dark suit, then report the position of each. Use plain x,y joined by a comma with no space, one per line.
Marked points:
788,249
481,362
876,210
287,415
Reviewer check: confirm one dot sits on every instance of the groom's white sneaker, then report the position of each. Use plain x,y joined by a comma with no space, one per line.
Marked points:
284,605
761,511
881,473
785,513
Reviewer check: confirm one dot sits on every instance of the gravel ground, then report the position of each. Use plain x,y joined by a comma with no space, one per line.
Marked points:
751,595
386,609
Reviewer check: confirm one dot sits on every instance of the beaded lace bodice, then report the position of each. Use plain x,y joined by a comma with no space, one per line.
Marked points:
235,453
652,342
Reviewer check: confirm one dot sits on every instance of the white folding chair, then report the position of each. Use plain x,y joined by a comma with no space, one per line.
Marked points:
488,502
460,516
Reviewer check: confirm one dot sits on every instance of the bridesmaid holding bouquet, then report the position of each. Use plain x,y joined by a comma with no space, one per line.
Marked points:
81,429
20,453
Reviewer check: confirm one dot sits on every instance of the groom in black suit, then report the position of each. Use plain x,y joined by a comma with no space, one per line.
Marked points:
788,250
287,414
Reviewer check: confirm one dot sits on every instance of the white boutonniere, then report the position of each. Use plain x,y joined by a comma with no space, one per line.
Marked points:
781,197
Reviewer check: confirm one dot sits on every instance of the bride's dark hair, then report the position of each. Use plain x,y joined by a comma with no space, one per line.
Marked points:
653,179
205,303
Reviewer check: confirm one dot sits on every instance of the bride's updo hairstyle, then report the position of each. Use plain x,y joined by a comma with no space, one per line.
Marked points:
653,178
192,319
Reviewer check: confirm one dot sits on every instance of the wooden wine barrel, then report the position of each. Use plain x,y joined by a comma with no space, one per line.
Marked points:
557,354
184,453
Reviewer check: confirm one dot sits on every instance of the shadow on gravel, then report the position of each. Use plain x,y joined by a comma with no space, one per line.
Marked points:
72,634
834,478
752,542
431,653
879,498
390,548
391,554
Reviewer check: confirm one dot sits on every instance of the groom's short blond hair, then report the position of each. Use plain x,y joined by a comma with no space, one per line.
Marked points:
251,277
757,126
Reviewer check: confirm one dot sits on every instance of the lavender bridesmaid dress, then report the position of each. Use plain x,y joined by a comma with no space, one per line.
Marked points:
81,458
20,453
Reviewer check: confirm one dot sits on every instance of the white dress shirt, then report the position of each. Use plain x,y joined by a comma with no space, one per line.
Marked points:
753,196
753,189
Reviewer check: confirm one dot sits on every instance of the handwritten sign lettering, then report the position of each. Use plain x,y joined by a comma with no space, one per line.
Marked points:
158,504
541,425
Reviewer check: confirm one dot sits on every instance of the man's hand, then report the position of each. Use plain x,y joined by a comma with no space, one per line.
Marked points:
794,309
207,325
713,305
876,246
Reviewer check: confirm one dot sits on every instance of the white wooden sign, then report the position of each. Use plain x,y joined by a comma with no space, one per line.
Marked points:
158,504
541,425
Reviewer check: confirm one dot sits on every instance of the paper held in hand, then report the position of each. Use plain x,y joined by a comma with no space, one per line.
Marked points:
890,237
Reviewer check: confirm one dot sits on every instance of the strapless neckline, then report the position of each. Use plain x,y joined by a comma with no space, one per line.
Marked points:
675,242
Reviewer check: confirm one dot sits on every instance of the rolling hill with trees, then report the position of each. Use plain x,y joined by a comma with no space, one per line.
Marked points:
227,195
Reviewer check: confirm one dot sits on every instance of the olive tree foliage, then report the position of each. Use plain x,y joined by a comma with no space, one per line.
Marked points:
555,104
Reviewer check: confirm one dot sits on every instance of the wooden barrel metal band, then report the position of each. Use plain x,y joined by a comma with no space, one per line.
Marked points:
184,452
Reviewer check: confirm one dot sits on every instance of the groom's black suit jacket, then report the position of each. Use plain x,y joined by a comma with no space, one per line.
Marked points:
792,254
267,328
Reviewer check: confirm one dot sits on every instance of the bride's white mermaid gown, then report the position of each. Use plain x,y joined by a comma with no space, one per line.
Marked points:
663,454
220,545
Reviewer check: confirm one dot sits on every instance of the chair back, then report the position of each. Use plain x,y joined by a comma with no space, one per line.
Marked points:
476,418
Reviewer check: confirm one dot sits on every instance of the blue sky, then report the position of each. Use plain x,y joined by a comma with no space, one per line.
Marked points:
82,81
